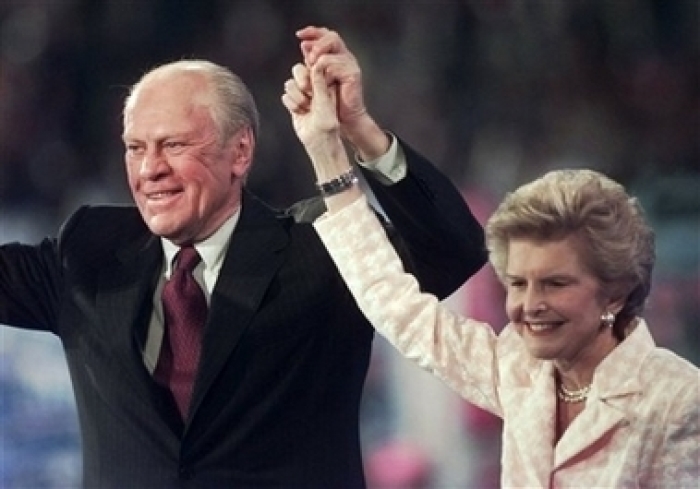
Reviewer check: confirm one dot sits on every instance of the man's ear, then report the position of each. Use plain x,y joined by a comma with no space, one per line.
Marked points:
242,152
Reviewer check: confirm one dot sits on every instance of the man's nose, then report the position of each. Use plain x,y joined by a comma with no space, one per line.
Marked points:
152,164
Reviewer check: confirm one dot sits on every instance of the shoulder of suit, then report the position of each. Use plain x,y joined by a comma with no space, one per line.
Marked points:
303,211
110,223
306,211
106,217
664,363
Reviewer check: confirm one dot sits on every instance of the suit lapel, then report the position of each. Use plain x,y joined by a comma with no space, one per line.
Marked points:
590,429
124,302
252,260
610,404
126,287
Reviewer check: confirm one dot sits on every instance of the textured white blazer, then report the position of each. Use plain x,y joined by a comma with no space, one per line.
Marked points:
640,425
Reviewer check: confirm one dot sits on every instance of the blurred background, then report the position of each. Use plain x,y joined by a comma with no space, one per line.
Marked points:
495,92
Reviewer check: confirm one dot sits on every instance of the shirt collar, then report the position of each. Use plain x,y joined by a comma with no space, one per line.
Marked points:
211,250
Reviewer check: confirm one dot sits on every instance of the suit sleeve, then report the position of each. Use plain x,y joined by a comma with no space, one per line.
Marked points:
434,231
28,285
31,282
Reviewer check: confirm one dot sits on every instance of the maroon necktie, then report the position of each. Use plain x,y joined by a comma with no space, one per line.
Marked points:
184,314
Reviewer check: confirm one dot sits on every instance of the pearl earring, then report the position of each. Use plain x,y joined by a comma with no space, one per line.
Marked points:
607,319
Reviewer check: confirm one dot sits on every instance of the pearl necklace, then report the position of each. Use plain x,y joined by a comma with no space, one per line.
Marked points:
578,395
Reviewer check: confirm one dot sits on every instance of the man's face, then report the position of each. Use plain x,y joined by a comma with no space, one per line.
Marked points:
184,181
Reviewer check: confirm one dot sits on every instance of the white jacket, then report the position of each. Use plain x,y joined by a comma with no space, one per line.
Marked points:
640,426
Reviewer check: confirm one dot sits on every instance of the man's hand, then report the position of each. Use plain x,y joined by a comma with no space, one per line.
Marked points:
324,49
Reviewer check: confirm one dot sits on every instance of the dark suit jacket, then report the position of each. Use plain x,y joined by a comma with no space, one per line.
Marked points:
285,348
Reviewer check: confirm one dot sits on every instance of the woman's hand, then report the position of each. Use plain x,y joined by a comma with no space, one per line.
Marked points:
311,101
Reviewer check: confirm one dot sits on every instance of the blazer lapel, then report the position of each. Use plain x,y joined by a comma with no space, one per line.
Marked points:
610,403
592,428
252,260
124,302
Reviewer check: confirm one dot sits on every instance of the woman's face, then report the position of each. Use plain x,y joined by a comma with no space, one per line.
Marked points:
554,302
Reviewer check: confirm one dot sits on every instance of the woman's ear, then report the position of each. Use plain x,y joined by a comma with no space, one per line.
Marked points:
616,305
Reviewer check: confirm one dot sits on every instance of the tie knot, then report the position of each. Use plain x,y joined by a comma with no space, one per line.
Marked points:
187,259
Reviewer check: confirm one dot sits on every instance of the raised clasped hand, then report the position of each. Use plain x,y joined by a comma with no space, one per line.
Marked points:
311,100
324,47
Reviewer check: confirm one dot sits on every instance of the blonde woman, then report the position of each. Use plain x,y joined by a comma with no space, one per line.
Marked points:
587,398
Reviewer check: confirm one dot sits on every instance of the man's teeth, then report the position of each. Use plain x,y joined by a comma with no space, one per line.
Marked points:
160,195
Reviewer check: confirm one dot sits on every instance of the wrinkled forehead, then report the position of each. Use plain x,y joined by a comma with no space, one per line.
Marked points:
167,106
170,87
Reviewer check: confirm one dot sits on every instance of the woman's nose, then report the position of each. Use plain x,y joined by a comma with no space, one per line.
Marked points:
533,301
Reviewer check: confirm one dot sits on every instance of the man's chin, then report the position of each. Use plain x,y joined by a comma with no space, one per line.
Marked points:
164,228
